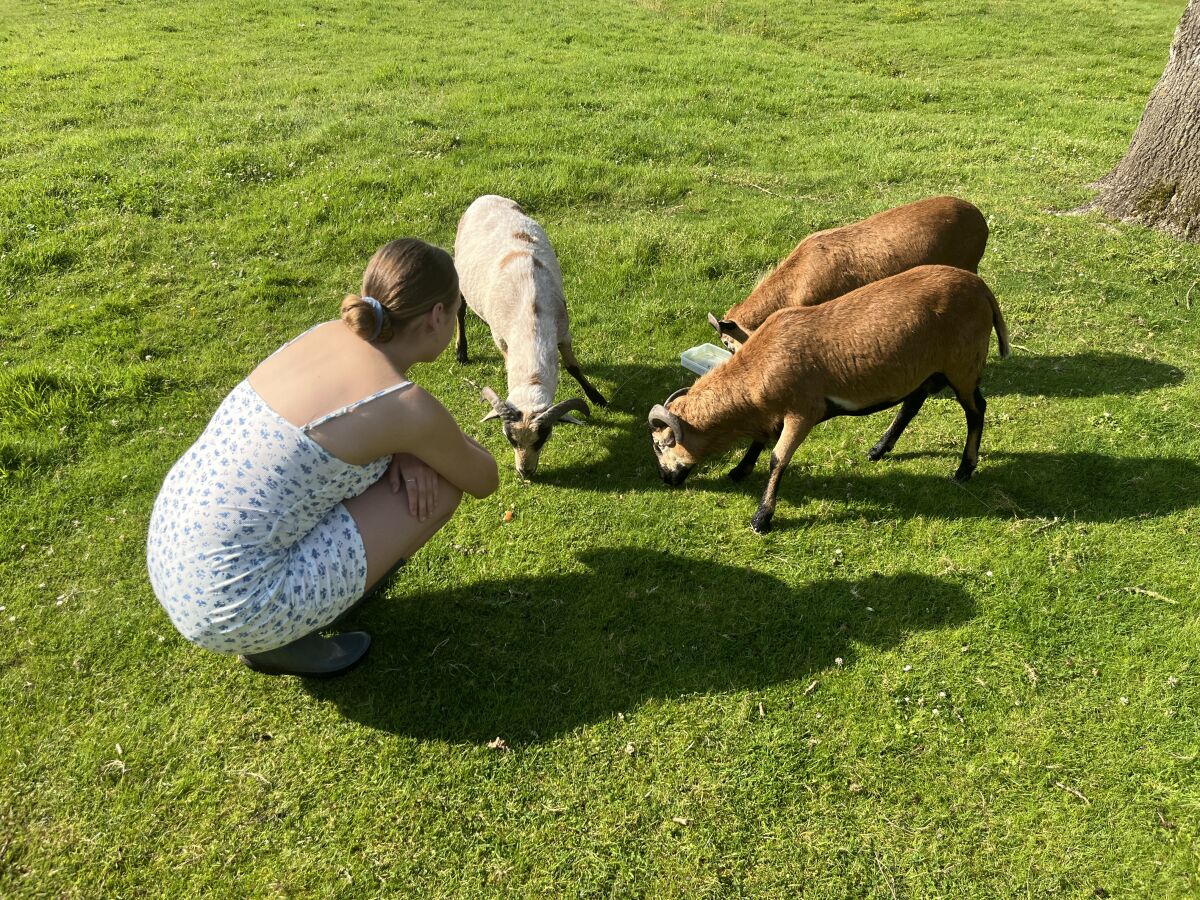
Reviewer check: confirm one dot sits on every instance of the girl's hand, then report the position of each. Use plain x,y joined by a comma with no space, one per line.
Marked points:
418,479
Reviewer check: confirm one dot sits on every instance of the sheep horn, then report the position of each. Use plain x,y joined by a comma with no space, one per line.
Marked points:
714,322
661,417
679,393
559,412
501,409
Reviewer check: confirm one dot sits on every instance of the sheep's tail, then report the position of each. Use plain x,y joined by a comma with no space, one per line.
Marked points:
998,323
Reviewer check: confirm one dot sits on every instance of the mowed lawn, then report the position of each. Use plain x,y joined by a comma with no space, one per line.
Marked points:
911,688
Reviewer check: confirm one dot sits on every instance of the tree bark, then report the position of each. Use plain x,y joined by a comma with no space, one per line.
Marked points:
1157,182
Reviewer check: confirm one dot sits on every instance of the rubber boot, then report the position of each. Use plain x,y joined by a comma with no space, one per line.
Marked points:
312,656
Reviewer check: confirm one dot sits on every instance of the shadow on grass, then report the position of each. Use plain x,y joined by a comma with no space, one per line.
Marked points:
1076,375
624,458
1079,486
619,433
531,658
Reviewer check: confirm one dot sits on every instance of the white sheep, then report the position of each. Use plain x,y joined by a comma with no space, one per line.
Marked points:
510,277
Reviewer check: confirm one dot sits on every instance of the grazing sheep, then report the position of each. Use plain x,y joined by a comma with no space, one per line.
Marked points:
510,277
936,231
895,341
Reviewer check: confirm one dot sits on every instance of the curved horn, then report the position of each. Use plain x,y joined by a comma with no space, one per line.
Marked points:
714,322
560,410
661,417
500,408
679,393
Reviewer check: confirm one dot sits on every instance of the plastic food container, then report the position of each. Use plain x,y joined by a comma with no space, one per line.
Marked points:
704,357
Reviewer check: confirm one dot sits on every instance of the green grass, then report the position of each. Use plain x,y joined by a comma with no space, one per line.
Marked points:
183,186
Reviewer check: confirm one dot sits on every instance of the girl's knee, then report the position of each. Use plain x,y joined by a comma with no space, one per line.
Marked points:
449,497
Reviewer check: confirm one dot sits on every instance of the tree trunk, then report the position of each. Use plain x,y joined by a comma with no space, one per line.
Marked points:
1158,181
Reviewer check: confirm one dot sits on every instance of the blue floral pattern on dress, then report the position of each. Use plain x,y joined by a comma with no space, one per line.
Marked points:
250,546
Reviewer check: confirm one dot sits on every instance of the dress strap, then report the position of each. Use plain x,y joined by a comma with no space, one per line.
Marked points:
350,407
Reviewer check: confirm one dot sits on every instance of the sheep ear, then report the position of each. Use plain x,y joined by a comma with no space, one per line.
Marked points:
499,407
661,417
731,328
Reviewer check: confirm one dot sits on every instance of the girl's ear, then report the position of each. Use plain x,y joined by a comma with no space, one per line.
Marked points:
437,315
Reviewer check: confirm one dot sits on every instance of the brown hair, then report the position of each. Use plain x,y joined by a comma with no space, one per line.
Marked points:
408,277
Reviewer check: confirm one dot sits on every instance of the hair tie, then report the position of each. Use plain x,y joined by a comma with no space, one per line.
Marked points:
379,316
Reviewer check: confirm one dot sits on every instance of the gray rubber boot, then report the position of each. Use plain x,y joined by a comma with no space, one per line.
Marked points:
313,656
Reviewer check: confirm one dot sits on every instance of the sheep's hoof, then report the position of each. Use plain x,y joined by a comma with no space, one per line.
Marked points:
739,474
461,357
964,473
876,453
760,524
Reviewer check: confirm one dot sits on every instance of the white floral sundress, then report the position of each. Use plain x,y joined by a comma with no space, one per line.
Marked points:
250,546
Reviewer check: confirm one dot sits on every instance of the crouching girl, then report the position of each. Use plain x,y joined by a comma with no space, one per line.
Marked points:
319,474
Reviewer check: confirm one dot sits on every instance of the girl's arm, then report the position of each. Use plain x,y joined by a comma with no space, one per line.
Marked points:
431,434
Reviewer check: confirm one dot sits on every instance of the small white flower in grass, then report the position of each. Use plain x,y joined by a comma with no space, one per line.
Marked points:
839,662
1124,701
1172,680
941,695
870,609
988,573
936,711
908,668
630,750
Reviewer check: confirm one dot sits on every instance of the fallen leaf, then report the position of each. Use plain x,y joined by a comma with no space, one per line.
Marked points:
498,744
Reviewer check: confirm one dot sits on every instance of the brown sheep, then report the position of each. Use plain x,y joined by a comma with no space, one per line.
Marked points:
895,341
936,231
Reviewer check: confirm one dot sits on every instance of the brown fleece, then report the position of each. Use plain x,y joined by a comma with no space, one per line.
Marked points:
873,346
828,264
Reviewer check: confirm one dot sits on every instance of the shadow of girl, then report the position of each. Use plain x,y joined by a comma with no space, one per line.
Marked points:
530,658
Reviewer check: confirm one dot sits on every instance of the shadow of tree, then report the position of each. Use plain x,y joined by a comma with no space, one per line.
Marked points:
1077,375
529,658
